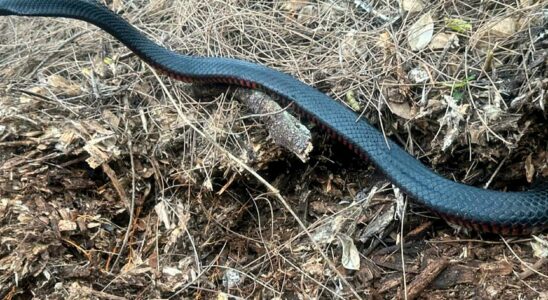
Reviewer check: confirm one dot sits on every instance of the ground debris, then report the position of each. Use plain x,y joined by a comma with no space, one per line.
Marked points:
107,193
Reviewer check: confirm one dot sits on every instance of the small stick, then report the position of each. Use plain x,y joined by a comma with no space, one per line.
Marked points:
426,277
284,129
538,265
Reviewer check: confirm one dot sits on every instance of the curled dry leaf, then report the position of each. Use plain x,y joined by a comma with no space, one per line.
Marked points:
350,256
540,247
493,31
502,28
442,39
378,225
163,214
402,110
412,5
420,33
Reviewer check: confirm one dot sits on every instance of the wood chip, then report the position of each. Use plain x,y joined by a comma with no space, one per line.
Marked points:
428,275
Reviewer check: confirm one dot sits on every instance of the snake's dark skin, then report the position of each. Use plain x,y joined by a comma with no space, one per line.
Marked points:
480,209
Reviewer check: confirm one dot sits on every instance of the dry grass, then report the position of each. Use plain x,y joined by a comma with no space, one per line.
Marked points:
105,190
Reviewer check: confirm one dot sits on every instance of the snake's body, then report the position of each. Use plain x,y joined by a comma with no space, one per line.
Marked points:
484,210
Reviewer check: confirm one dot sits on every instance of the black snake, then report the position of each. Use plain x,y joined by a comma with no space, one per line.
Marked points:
481,209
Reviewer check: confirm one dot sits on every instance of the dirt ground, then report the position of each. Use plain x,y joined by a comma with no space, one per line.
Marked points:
119,183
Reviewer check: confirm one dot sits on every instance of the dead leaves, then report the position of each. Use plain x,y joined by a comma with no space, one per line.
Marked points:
443,40
294,6
412,5
504,27
420,33
361,61
63,87
100,142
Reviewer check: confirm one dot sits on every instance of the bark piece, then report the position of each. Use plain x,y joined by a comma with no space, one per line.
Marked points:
429,274
284,129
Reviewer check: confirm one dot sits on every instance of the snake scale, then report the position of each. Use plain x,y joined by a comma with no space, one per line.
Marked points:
480,209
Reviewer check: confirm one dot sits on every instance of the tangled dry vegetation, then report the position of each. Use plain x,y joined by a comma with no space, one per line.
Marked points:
107,191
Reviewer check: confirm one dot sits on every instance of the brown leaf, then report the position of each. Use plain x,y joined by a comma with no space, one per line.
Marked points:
503,28
403,110
63,86
440,40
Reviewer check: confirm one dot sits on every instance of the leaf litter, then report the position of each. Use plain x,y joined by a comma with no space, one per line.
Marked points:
105,192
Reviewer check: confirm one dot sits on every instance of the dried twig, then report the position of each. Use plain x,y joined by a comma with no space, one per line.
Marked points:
285,130
428,275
